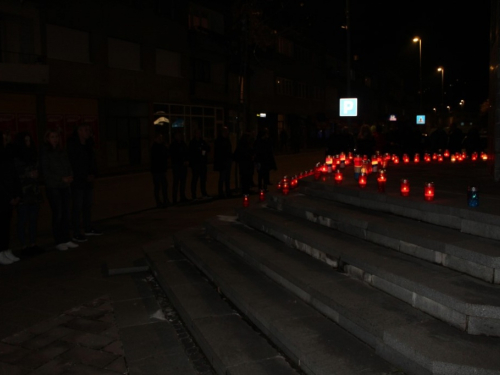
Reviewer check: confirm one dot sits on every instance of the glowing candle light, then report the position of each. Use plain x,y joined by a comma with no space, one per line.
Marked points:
329,162
357,166
381,180
338,177
286,186
416,158
246,201
342,160
429,191
374,164
405,187
262,195
362,180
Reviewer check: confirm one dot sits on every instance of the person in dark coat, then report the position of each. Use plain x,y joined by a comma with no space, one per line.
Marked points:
198,161
179,157
84,166
10,196
57,175
159,165
223,161
264,159
27,166
244,157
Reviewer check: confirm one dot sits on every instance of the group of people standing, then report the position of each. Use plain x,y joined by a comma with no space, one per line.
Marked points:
182,156
250,155
67,175
403,138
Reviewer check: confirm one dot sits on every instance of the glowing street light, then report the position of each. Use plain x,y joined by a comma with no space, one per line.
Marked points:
415,40
441,69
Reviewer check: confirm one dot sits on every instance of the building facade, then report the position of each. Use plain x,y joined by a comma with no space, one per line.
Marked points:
118,65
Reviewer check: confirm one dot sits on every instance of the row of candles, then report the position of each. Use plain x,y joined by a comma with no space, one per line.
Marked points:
342,159
285,184
364,166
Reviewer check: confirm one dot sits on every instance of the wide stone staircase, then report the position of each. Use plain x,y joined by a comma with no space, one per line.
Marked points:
334,279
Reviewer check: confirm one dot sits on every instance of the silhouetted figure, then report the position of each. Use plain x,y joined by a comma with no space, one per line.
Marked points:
179,157
57,175
264,159
10,195
159,165
198,161
84,166
283,140
27,166
244,156
223,161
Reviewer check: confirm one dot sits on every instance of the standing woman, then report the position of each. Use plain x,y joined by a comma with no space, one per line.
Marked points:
58,176
10,195
27,166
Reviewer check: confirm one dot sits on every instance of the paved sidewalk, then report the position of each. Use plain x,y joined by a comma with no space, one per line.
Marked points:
61,314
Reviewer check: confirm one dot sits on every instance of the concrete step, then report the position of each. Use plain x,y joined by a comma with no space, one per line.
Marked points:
312,341
231,345
401,334
470,254
465,302
481,221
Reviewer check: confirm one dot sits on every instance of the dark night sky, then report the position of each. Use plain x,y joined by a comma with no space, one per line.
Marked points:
454,35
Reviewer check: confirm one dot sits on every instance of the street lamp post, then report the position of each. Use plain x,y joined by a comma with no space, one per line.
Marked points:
417,39
441,69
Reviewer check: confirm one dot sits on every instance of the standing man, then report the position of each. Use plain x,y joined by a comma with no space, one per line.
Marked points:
264,159
223,160
179,157
198,160
159,156
10,195
83,163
